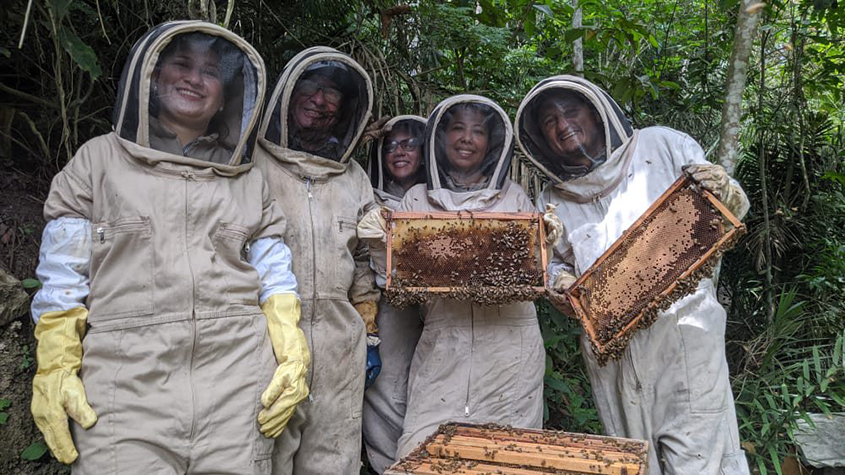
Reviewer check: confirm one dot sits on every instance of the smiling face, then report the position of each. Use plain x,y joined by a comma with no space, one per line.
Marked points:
188,88
466,140
404,160
315,103
571,128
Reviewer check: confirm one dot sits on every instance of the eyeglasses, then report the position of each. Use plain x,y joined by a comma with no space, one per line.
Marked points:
310,87
407,145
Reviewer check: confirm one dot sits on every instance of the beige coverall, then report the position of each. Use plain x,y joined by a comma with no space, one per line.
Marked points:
399,330
177,353
323,199
671,385
473,363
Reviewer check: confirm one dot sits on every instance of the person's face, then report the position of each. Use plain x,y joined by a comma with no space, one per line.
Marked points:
466,140
571,129
315,103
189,88
402,155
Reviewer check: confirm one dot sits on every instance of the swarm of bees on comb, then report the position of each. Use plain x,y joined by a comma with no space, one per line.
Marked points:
490,260
495,449
659,260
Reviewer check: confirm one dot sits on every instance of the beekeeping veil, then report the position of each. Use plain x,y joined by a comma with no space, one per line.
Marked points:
320,105
384,183
554,105
194,73
469,145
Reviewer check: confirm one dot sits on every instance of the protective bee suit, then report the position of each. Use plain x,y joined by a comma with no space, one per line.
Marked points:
399,329
317,112
162,250
473,363
671,384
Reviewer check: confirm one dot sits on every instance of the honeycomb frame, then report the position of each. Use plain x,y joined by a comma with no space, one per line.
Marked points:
478,449
609,342
467,281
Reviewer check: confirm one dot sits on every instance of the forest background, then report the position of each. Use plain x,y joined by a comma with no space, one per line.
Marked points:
665,62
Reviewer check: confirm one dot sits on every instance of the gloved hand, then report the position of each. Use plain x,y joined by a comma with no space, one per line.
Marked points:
373,226
57,391
368,311
373,360
554,227
711,177
375,130
558,298
714,178
288,386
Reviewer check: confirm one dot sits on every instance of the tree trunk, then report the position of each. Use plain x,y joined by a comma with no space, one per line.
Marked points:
746,27
577,45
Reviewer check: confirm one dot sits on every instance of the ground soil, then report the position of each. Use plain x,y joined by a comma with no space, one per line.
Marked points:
21,223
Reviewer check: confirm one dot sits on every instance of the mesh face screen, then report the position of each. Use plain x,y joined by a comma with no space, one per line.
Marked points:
484,259
489,448
660,259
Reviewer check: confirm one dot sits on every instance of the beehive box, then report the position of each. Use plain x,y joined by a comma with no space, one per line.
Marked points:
491,449
489,258
657,261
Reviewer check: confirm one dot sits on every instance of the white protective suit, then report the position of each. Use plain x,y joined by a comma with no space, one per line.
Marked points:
671,385
324,193
399,330
473,363
170,249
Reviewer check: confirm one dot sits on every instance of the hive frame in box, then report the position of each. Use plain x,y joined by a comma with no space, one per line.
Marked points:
490,448
392,216
673,292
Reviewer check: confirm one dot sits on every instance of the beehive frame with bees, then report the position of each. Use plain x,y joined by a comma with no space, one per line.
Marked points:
657,261
493,449
489,258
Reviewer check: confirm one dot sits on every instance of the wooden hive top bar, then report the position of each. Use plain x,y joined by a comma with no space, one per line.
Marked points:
492,449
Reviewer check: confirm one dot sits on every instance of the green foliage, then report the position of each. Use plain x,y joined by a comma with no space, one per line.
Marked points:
31,284
34,451
568,399
4,416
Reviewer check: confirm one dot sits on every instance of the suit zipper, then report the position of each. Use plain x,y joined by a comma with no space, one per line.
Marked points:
308,181
471,345
188,176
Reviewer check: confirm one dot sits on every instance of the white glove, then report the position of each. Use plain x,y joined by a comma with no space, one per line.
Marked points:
554,227
557,296
563,281
713,178
373,226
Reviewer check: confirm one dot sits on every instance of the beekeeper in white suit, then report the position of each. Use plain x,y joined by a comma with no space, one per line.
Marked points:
670,385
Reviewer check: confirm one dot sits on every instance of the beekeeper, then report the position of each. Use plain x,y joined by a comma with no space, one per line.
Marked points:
671,384
315,116
396,165
161,243
473,363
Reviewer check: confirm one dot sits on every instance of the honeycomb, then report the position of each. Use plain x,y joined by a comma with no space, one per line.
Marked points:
657,261
488,258
490,448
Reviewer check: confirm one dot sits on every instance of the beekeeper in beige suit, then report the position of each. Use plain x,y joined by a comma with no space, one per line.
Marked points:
318,110
395,166
671,384
473,363
161,243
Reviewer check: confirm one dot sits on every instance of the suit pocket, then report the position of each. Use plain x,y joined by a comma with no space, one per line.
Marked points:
241,279
346,238
121,269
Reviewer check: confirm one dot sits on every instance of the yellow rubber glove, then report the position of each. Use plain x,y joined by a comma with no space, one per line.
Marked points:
288,385
368,311
57,391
